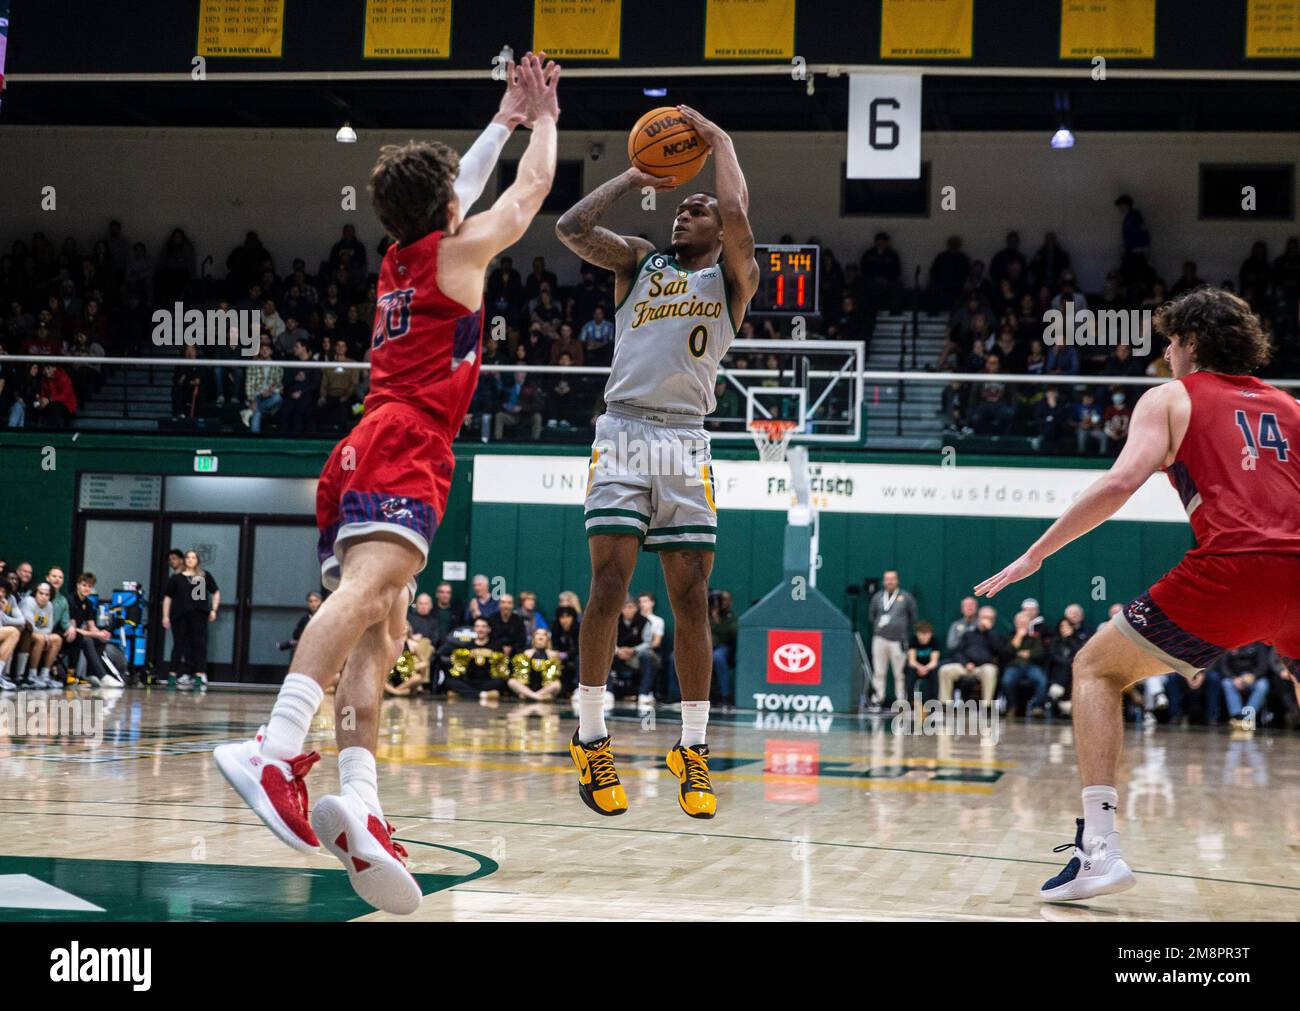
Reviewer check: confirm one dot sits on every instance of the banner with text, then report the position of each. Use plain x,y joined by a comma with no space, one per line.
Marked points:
909,490
1115,29
927,29
1272,29
578,29
749,29
408,30
241,28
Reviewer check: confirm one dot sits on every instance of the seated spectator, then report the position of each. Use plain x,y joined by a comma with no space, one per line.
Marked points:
1121,362
13,629
1115,422
597,336
86,379
314,600
948,272
412,674
625,672
1046,265
481,602
86,637
478,668
519,401
978,654
566,344
992,412
1061,651
1026,664
43,643
536,673
1009,353
1074,615
509,634
532,618
263,384
56,404
1062,360
922,661
964,624
1245,674
1086,420
881,273
564,641
338,389
724,627
301,388
445,611
648,653
1051,420
1187,280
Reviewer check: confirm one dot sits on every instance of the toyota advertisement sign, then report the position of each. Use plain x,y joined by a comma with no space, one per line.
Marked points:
794,656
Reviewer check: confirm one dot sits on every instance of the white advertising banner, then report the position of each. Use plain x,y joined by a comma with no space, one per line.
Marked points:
910,490
884,126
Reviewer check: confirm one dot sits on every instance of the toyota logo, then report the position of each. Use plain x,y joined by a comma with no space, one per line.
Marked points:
794,657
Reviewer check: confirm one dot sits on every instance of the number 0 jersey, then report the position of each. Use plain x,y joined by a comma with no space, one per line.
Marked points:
1238,467
670,333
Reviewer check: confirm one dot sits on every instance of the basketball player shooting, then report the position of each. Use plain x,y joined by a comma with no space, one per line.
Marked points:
677,313
384,489
1224,439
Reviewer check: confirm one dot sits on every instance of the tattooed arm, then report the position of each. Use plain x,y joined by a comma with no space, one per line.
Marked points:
577,227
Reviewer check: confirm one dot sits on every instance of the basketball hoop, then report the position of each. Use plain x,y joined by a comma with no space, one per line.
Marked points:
772,437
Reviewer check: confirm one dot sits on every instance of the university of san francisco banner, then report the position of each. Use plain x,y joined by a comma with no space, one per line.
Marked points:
927,29
905,490
578,29
749,29
408,30
1115,29
243,28
1272,29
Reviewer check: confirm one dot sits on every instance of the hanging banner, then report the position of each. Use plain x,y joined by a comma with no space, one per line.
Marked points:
884,126
927,29
578,29
407,30
246,28
1115,29
749,29
1272,29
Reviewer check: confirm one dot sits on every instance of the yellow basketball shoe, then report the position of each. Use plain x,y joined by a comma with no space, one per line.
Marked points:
691,767
598,784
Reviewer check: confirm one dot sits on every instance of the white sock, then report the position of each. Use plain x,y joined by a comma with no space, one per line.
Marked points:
695,720
299,698
20,664
1099,806
3,665
45,672
357,776
591,713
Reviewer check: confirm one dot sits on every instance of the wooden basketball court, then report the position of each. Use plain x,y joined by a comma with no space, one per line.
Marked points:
819,818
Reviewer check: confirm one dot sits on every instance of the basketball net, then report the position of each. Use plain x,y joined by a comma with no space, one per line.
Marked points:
772,437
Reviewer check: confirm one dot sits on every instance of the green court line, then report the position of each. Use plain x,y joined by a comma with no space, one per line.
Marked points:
785,841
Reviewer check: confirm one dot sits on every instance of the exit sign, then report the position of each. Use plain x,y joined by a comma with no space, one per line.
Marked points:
205,463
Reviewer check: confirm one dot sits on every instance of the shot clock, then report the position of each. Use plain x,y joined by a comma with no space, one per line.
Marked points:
787,280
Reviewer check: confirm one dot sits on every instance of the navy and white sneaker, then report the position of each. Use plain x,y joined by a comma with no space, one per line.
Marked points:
1099,870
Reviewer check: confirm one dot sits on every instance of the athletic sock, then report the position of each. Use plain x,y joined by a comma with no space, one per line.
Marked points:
695,720
1099,806
357,777
20,664
45,672
286,730
3,665
591,713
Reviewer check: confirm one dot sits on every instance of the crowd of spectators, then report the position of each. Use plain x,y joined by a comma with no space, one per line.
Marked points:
61,299
1024,666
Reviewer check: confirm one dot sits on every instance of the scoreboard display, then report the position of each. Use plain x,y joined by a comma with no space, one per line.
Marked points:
787,280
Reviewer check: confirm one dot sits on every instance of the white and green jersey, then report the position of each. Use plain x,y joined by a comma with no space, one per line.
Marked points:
670,332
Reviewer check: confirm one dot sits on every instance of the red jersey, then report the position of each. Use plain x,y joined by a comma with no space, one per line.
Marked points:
426,348
1238,467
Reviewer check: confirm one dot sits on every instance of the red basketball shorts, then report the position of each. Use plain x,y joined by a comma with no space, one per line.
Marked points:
391,474
1208,604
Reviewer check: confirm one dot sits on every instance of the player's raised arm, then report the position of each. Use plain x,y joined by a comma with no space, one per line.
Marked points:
733,205
1145,451
578,227
484,235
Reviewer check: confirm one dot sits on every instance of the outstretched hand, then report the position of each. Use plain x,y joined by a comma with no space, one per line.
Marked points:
537,80
1021,568
708,130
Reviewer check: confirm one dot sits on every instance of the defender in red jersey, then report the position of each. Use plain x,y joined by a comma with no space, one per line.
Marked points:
384,488
1230,446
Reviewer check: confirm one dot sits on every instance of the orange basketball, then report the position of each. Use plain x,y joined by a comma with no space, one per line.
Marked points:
664,144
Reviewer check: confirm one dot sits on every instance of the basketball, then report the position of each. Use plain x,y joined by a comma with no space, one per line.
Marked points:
664,144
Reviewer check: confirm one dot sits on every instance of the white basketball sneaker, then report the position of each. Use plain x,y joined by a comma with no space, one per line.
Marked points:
1097,870
275,790
375,864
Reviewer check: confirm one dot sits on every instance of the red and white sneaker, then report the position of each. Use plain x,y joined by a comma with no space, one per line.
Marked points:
276,790
375,864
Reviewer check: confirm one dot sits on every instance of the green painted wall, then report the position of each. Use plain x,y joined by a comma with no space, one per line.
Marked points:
543,548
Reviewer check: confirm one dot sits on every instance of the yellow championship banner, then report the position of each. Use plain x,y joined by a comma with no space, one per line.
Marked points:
749,29
407,30
241,28
1115,29
1272,29
927,29
578,29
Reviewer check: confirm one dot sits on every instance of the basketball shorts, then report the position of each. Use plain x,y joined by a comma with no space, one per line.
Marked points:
391,474
651,476
1208,604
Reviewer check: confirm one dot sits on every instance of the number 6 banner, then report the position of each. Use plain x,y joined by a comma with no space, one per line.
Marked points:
884,126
